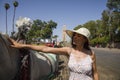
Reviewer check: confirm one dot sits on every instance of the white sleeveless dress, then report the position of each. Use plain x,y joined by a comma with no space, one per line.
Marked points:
80,70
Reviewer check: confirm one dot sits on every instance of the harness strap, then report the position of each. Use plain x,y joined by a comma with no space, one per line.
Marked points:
25,65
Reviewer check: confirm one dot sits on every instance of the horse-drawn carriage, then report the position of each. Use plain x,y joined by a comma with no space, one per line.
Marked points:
13,62
24,64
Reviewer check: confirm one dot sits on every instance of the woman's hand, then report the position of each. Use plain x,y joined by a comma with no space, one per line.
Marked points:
15,44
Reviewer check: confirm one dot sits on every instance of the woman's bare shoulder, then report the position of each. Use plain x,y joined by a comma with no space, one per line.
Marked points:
93,56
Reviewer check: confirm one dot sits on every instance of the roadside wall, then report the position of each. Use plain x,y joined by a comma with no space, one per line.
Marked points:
117,45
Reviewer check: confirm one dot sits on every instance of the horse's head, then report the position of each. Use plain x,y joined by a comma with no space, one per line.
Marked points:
23,25
21,34
8,59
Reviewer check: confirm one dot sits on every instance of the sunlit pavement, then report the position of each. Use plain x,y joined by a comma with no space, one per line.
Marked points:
108,63
107,49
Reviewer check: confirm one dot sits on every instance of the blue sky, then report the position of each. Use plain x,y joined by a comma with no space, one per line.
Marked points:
64,12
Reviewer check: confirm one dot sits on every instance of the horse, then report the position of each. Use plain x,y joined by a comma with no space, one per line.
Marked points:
41,64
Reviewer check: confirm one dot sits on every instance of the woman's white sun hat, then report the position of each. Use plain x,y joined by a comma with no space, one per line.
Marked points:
82,31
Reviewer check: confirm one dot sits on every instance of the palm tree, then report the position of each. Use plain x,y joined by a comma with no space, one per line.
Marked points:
7,6
15,3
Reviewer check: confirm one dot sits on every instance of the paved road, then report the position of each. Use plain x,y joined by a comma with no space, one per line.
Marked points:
108,63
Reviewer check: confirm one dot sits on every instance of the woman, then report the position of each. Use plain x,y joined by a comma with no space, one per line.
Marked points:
82,61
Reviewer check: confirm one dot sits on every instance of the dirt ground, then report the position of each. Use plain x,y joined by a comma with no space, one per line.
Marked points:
64,72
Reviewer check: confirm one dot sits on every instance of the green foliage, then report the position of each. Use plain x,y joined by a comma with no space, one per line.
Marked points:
92,26
41,29
113,5
103,40
7,6
15,3
100,40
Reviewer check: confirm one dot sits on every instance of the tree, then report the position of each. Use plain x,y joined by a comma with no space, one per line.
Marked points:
91,25
15,4
114,16
42,29
7,6
51,25
105,22
113,5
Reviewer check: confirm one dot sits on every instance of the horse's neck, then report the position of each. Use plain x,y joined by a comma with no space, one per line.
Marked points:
9,54
9,58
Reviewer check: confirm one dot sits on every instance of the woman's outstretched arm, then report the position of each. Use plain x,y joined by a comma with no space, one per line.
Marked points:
64,50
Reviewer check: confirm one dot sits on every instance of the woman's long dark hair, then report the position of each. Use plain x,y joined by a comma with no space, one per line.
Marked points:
86,44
